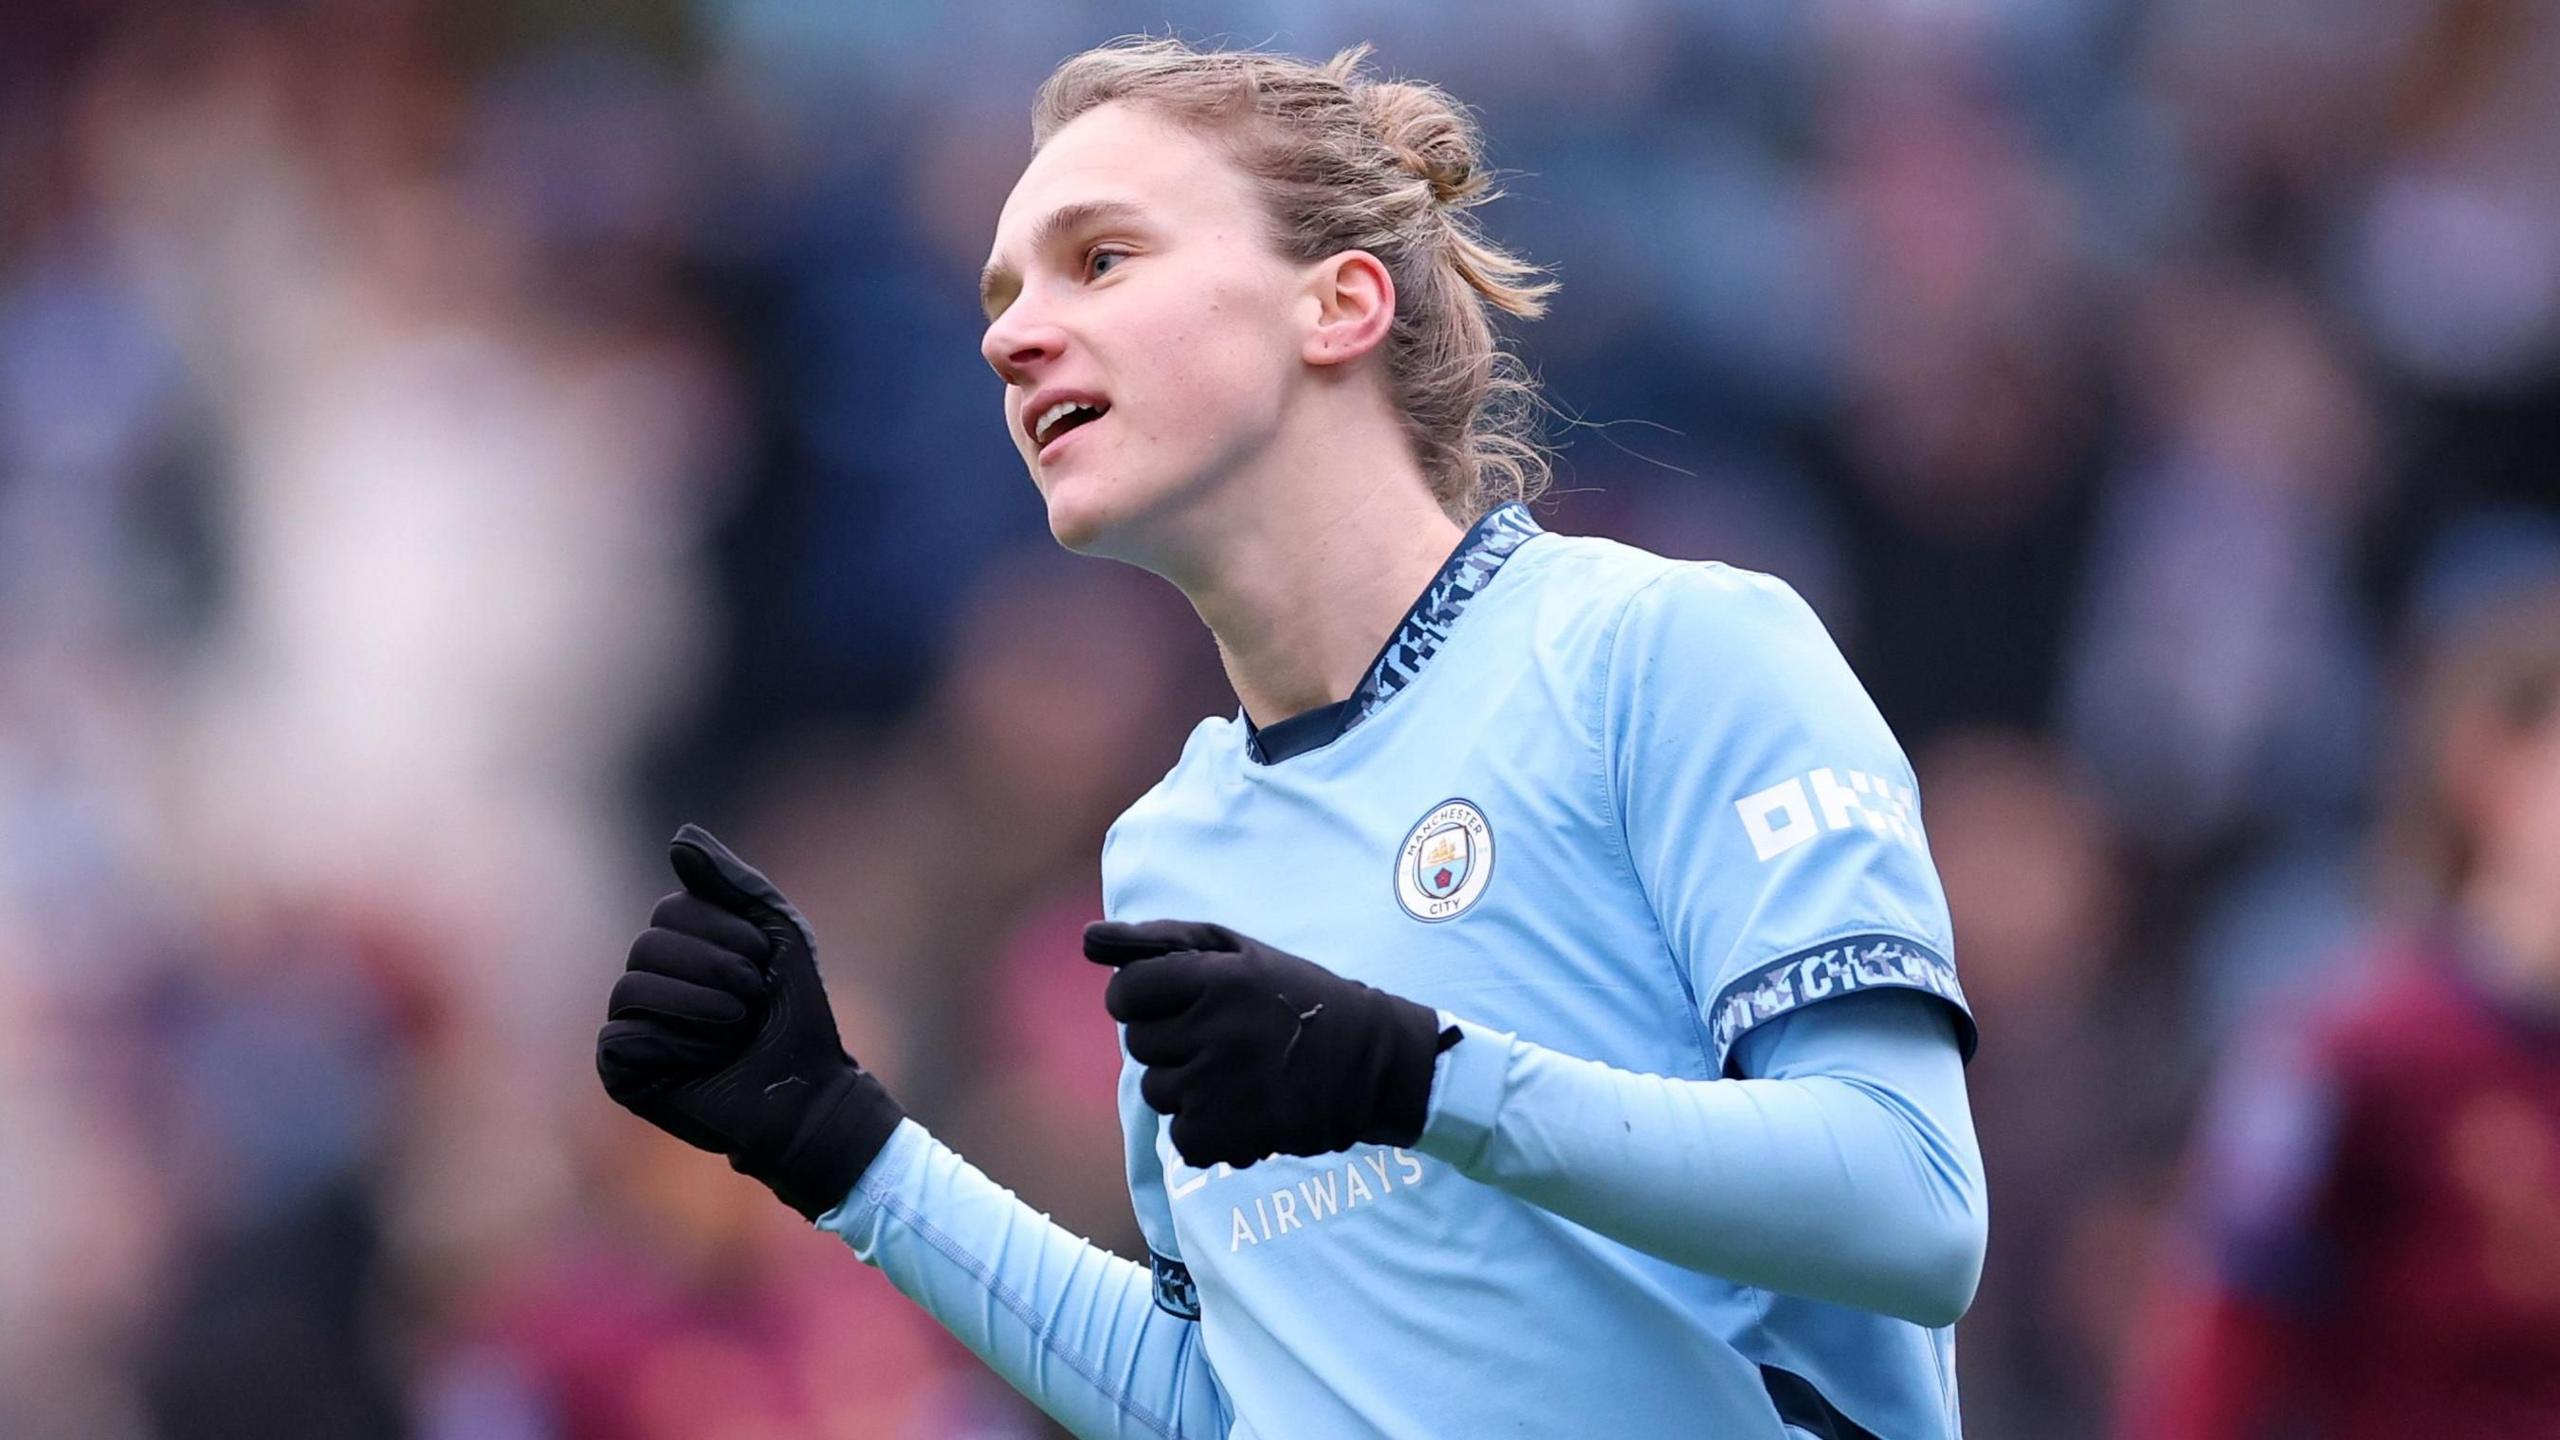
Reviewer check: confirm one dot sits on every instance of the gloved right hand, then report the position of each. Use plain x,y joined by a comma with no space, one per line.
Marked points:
719,1034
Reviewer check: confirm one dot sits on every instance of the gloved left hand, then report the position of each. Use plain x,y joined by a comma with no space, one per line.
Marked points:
1255,1052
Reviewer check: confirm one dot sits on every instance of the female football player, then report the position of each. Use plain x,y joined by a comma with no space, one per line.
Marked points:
1537,1000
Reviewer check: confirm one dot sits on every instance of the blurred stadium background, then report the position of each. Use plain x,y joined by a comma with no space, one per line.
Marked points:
444,445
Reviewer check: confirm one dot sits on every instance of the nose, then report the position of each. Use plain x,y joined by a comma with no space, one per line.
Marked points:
1018,342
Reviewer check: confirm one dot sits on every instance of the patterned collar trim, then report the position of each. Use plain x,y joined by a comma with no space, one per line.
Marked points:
1468,570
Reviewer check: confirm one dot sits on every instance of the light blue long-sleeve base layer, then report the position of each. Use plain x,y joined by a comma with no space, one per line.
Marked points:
1634,825
1863,1109
1067,1323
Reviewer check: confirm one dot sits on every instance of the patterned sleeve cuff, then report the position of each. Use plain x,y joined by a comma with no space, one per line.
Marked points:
1467,1088
1843,966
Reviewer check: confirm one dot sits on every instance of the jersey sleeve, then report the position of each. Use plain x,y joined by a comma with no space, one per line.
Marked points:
1766,809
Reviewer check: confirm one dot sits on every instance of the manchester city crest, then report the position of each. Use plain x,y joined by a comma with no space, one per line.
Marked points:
1445,862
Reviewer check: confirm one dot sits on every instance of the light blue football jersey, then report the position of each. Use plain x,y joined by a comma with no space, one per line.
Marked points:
1627,808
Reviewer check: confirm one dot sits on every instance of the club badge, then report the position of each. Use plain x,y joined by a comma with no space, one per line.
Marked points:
1446,862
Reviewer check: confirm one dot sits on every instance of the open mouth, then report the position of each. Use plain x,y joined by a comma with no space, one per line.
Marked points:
1063,417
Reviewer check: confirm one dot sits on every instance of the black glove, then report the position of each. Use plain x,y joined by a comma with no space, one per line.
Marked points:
719,1034
1255,1052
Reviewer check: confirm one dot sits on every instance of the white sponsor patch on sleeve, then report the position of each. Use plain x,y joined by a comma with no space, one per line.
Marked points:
1826,802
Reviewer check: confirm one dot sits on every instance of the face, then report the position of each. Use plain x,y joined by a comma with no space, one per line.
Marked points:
2521,829
1133,278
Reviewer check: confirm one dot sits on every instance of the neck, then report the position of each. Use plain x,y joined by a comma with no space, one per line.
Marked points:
1304,568
1300,613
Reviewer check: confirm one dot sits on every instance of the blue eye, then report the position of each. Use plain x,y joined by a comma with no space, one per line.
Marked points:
1093,261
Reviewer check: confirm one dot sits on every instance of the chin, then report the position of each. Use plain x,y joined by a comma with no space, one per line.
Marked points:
1075,533
1112,515
1078,519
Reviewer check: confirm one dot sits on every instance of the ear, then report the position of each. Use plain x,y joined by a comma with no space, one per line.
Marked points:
1353,304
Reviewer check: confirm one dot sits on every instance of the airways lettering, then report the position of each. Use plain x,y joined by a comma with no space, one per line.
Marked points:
1362,1177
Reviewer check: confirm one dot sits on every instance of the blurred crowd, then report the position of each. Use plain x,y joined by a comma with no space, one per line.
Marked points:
444,445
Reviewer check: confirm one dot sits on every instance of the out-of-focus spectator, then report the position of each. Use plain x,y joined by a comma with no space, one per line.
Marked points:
2220,676
2373,1239
1965,442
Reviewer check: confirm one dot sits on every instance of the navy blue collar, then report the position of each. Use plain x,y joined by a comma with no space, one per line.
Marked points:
1468,570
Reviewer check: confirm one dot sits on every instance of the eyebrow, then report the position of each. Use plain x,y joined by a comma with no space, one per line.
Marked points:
1066,218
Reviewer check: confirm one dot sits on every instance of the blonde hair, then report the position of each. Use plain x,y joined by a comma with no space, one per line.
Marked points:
1348,162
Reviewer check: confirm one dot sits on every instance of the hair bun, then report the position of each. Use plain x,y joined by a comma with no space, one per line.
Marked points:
1429,136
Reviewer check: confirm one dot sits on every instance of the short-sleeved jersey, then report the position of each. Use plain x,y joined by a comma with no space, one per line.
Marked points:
1627,808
